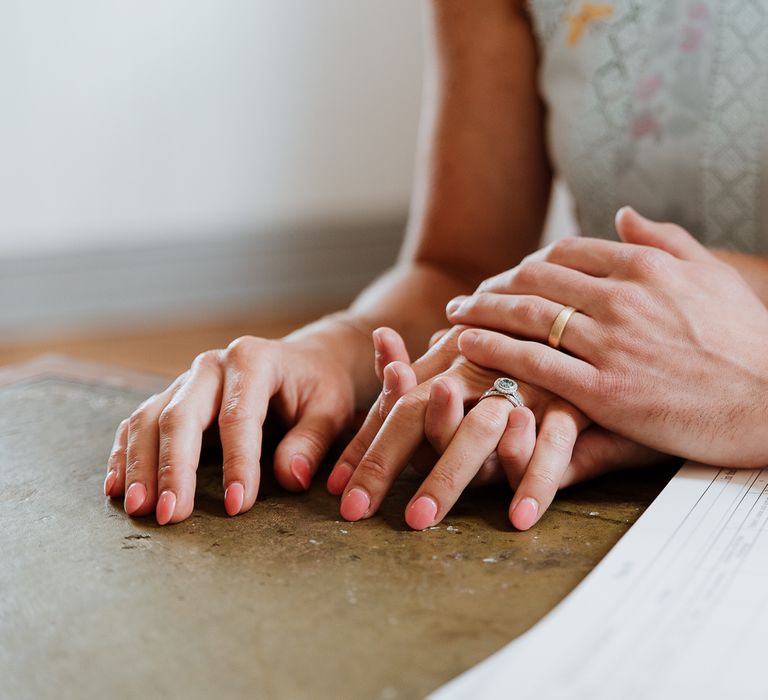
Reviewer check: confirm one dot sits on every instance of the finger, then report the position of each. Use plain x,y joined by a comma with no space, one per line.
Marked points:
554,282
347,463
445,411
516,446
598,451
399,379
388,346
181,425
437,336
592,256
528,316
475,440
250,377
390,450
634,228
114,484
532,362
301,451
439,357
556,437
141,456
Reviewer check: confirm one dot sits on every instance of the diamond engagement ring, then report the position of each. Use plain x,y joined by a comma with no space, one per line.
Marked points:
506,388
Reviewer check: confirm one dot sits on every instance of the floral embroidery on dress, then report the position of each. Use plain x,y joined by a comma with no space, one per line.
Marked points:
590,12
661,105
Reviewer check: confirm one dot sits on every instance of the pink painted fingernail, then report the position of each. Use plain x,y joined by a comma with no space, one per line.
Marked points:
421,514
109,482
233,498
135,497
339,478
355,505
300,469
525,514
166,504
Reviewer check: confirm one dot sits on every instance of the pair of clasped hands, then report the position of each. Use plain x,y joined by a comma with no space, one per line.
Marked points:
661,324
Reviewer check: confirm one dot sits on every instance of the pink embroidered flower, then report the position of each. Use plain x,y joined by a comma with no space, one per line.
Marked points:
648,87
645,124
691,38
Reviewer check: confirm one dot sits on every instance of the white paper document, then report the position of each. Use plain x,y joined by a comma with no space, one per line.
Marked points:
678,608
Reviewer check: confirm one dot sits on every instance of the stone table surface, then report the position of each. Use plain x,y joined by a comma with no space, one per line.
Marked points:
286,601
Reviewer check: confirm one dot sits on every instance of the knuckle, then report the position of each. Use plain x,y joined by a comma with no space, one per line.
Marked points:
510,452
209,358
243,349
168,472
233,414
545,480
133,468
171,417
530,273
486,422
116,456
314,440
649,262
530,311
444,481
408,405
537,363
373,469
558,440
561,248
138,420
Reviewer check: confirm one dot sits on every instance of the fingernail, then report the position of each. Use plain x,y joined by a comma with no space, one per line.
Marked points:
166,504
233,498
525,514
518,419
439,393
339,478
300,469
109,482
355,505
468,339
454,305
421,514
376,336
135,497
390,378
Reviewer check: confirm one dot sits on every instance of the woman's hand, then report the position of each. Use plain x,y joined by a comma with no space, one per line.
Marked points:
434,409
667,347
156,451
596,451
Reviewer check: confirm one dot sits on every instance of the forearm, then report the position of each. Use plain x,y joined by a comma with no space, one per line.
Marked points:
753,268
481,187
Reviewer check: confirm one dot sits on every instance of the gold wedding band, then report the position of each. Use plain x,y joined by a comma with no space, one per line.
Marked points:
561,321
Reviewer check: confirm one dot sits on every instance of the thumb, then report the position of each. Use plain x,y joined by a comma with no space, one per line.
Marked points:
388,346
675,240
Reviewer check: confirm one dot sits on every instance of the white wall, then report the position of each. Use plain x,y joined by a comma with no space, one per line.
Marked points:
123,121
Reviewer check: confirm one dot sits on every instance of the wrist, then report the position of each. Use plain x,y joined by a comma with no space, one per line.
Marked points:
346,341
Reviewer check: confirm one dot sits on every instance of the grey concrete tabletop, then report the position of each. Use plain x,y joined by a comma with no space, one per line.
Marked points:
286,601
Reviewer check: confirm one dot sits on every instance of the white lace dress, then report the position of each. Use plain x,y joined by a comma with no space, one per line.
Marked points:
662,105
